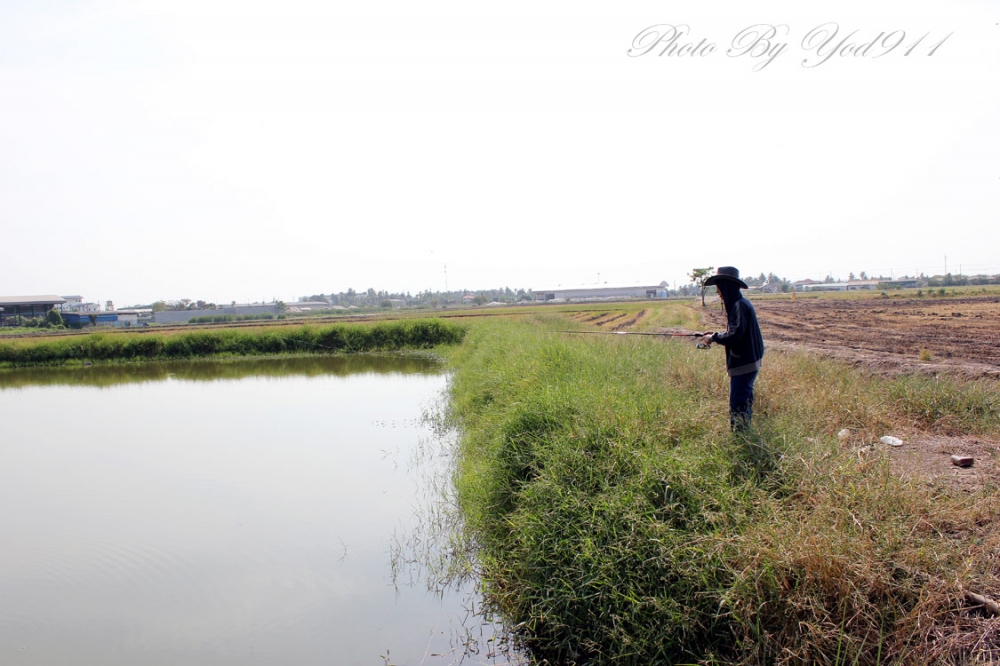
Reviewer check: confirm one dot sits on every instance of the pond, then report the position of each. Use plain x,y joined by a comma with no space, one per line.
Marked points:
240,512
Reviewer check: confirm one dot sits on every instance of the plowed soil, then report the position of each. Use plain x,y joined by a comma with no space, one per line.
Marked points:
944,335
961,336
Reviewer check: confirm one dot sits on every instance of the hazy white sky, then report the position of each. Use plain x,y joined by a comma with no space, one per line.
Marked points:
250,150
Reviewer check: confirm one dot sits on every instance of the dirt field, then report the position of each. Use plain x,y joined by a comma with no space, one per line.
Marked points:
610,320
951,335
959,336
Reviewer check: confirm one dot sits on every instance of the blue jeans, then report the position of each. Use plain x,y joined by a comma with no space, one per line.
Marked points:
741,401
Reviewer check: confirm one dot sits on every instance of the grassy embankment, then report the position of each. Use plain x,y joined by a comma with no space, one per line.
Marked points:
615,520
287,365
116,347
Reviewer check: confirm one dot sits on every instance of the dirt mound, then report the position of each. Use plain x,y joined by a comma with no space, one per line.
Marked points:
611,320
631,321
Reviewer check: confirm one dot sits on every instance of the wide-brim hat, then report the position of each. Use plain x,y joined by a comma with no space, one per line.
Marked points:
726,274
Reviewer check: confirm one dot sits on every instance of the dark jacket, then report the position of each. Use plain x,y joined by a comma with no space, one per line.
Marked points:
743,342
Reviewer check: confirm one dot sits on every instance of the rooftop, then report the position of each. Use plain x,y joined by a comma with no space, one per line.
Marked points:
28,300
594,287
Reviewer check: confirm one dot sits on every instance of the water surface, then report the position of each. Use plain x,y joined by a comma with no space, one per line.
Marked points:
221,513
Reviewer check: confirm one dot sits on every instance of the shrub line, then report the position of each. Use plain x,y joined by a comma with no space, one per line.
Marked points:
336,338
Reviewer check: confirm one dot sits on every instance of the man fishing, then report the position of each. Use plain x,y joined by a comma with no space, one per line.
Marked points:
743,342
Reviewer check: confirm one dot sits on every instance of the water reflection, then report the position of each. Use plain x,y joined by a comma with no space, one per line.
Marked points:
308,366
433,553
157,521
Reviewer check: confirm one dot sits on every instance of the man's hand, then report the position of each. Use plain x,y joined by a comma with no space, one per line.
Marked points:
707,338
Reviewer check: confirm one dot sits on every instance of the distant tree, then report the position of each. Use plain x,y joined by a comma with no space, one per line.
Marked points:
479,299
385,304
850,276
864,276
281,307
53,318
698,276
159,306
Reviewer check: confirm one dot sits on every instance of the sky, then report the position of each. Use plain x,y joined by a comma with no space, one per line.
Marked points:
224,150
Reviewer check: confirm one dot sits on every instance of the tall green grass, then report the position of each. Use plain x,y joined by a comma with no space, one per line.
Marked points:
617,521
405,334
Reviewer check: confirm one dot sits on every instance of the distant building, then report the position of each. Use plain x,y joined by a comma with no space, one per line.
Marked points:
84,319
76,303
27,306
854,285
825,286
902,283
118,318
72,303
183,316
770,287
307,306
128,318
601,291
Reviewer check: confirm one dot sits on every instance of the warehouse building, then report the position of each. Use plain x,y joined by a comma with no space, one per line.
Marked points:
601,291
184,316
13,308
119,318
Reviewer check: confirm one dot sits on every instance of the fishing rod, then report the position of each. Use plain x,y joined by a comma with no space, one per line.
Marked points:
673,335
701,345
